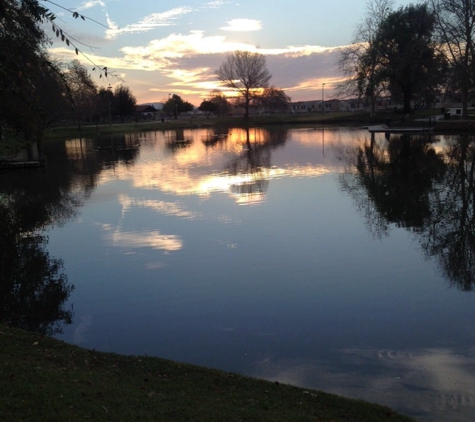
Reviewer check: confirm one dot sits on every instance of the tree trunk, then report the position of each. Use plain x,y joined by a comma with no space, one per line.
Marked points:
246,107
407,97
464,104
464,91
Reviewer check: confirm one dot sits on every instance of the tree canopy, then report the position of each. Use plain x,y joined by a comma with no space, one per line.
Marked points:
274,100
395,52
360,61
22,59
124,101
217,104
407,52
455,32
83,91
208,107
176,105
33,89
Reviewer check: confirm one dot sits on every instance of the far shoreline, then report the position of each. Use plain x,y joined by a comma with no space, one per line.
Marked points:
11,146
356,120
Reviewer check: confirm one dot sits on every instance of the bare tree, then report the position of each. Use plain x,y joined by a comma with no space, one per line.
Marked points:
360,61
245,72
455,26
83,91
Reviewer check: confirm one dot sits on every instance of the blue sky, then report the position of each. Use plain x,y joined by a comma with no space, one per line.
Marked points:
160,48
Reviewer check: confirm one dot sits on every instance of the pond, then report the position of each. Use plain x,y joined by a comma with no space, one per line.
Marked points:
324,258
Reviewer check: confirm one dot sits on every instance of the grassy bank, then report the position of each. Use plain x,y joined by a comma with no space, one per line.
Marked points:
10,146
203,122
43,379
289,120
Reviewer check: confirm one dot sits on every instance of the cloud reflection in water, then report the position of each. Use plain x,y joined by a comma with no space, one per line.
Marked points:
443,379
149,239
162,207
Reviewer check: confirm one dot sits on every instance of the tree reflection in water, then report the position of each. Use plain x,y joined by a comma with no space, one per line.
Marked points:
254,162
33,286
450,233
405,181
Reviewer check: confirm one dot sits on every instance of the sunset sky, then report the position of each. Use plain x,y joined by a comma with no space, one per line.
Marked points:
160,48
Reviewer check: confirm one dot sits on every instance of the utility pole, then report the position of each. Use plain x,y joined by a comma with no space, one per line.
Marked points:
109,89
323,97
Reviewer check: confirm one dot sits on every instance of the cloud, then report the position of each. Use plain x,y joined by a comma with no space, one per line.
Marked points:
215,4
90,4
243,25
179,45
150,22
160,54
187,62
301,71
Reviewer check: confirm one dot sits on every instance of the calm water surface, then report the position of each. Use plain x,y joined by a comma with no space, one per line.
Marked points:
308,256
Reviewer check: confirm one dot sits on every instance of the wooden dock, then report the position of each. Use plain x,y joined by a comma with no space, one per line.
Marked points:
26,158
405,130
14,165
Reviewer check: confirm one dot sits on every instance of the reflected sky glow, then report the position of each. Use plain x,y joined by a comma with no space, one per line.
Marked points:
172,180
197,171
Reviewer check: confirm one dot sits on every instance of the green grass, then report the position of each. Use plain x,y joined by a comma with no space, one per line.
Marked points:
43,379
10,146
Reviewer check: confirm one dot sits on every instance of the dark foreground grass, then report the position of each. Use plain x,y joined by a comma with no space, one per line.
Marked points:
43,379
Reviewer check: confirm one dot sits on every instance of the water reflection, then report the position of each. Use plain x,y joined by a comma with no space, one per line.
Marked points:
237,162
33,285
393,179
161,207
150,239
429,384
426,188
214,135
250,168
288,287
449,235
176,140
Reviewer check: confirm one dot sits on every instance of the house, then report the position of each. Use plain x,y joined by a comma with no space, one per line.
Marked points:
303,107
145,111
329,106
